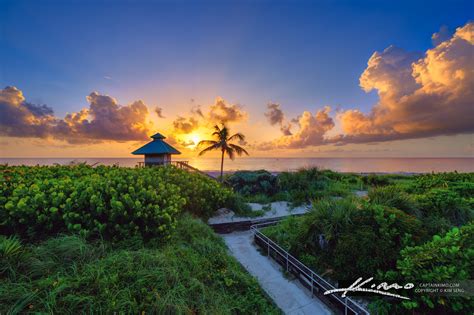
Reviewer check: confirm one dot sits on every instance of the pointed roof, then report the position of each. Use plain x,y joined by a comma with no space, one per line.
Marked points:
158,136
157,146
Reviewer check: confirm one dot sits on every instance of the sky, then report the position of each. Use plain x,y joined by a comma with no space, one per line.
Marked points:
310,79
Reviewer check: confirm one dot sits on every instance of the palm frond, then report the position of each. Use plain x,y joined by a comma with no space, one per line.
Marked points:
230,153
238,135
213,147
238,149
206,142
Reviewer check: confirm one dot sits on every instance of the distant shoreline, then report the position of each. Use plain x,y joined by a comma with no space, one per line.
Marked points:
397,166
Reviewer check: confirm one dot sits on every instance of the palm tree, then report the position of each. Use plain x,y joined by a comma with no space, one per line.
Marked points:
221,142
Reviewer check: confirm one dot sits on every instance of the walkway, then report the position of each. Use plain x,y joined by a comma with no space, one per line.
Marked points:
278,210
288,295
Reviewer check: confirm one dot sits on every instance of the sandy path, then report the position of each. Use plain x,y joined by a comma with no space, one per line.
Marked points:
289,296
278,209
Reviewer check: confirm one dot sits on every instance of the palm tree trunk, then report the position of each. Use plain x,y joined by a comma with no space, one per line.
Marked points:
222,166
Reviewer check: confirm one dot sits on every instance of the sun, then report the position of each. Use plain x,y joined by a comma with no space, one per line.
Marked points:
196,139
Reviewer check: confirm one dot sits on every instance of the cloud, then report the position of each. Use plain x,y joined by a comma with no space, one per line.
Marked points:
196,110
105,119
286,129
21,119
312,129
185,125
159,112
221,112
418,97
275,116
442,35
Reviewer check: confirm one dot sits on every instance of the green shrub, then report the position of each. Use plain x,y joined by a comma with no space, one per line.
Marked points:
352,238
446,204
425,182
376,180
249,183
306,185
394,197
446,258
115,203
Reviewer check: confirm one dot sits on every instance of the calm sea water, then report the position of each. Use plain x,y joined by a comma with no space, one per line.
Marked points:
358,165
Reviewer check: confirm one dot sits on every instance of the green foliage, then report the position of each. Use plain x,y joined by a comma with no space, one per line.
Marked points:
113,202
11,252
348,230
250,183
191,274
455,181
445,203
388,236
376,180
394,197
297,187
442,259
306,185
237,203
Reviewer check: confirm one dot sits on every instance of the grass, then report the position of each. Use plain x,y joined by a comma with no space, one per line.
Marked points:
190,274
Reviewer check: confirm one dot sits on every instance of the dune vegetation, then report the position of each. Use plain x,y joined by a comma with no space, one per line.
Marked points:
407,228
77,239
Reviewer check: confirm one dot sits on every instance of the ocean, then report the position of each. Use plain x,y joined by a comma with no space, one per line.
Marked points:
356,165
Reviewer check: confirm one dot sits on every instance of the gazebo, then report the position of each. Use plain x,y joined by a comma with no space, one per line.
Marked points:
156,152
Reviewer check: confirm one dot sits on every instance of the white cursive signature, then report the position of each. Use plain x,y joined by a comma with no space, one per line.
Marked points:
357,286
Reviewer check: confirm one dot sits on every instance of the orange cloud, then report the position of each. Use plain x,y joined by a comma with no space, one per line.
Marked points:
105,119
418,97
310,133
185,125
221,112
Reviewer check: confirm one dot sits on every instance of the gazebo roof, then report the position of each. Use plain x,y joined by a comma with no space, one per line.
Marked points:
158,136
157,146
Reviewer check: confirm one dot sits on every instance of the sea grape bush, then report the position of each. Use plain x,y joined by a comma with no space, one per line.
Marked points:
445,258
113,202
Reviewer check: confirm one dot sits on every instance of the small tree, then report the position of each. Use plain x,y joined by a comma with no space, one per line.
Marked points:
222,142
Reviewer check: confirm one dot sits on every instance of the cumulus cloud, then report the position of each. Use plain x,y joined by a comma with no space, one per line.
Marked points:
311,131
222,112
442,35
219,112
275,116
21,119
185,125
418,97
105,119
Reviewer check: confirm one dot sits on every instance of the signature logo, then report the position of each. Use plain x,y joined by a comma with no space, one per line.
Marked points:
381,289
